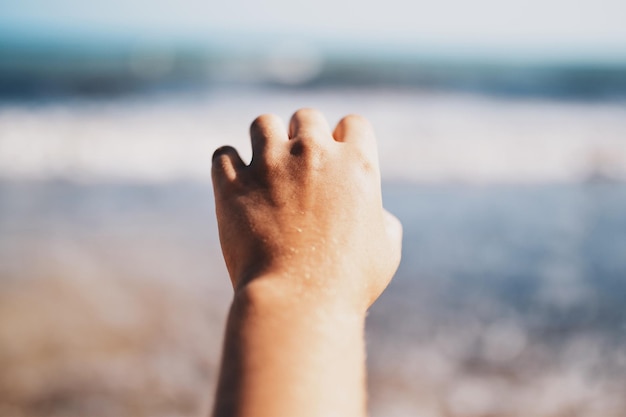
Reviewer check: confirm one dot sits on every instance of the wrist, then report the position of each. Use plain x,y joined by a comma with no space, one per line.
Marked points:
275,292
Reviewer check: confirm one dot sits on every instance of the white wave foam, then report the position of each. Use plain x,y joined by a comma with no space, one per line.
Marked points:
422,137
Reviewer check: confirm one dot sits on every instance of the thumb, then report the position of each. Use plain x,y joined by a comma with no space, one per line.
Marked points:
393,227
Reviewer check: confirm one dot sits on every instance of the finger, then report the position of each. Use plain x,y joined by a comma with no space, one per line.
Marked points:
266,131
358,130
310,124
227,165
354,128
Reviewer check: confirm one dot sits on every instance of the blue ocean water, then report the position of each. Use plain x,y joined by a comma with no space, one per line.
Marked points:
552,254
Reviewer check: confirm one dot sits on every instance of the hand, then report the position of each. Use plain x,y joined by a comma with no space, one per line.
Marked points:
306,214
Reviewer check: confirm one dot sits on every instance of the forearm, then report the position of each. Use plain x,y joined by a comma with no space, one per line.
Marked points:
287,354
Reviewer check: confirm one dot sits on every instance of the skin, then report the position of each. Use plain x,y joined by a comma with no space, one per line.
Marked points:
308,247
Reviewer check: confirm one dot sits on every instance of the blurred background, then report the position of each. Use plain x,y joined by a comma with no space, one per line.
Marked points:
502,135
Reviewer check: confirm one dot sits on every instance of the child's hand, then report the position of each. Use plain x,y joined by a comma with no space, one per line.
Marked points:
306,215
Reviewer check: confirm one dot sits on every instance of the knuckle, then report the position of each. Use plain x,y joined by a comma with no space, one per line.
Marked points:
354,118
308,142
306,111
309,150
259,124
222,153
364,162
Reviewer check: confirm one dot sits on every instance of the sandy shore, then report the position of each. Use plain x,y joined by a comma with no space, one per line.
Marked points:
508,302
113,297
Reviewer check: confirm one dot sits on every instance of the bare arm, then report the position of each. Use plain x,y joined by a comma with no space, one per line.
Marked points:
309,248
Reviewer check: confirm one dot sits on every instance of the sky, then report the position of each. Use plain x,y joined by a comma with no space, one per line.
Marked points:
594,26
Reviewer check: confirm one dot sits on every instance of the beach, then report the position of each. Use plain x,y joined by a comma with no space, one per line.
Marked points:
508,300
